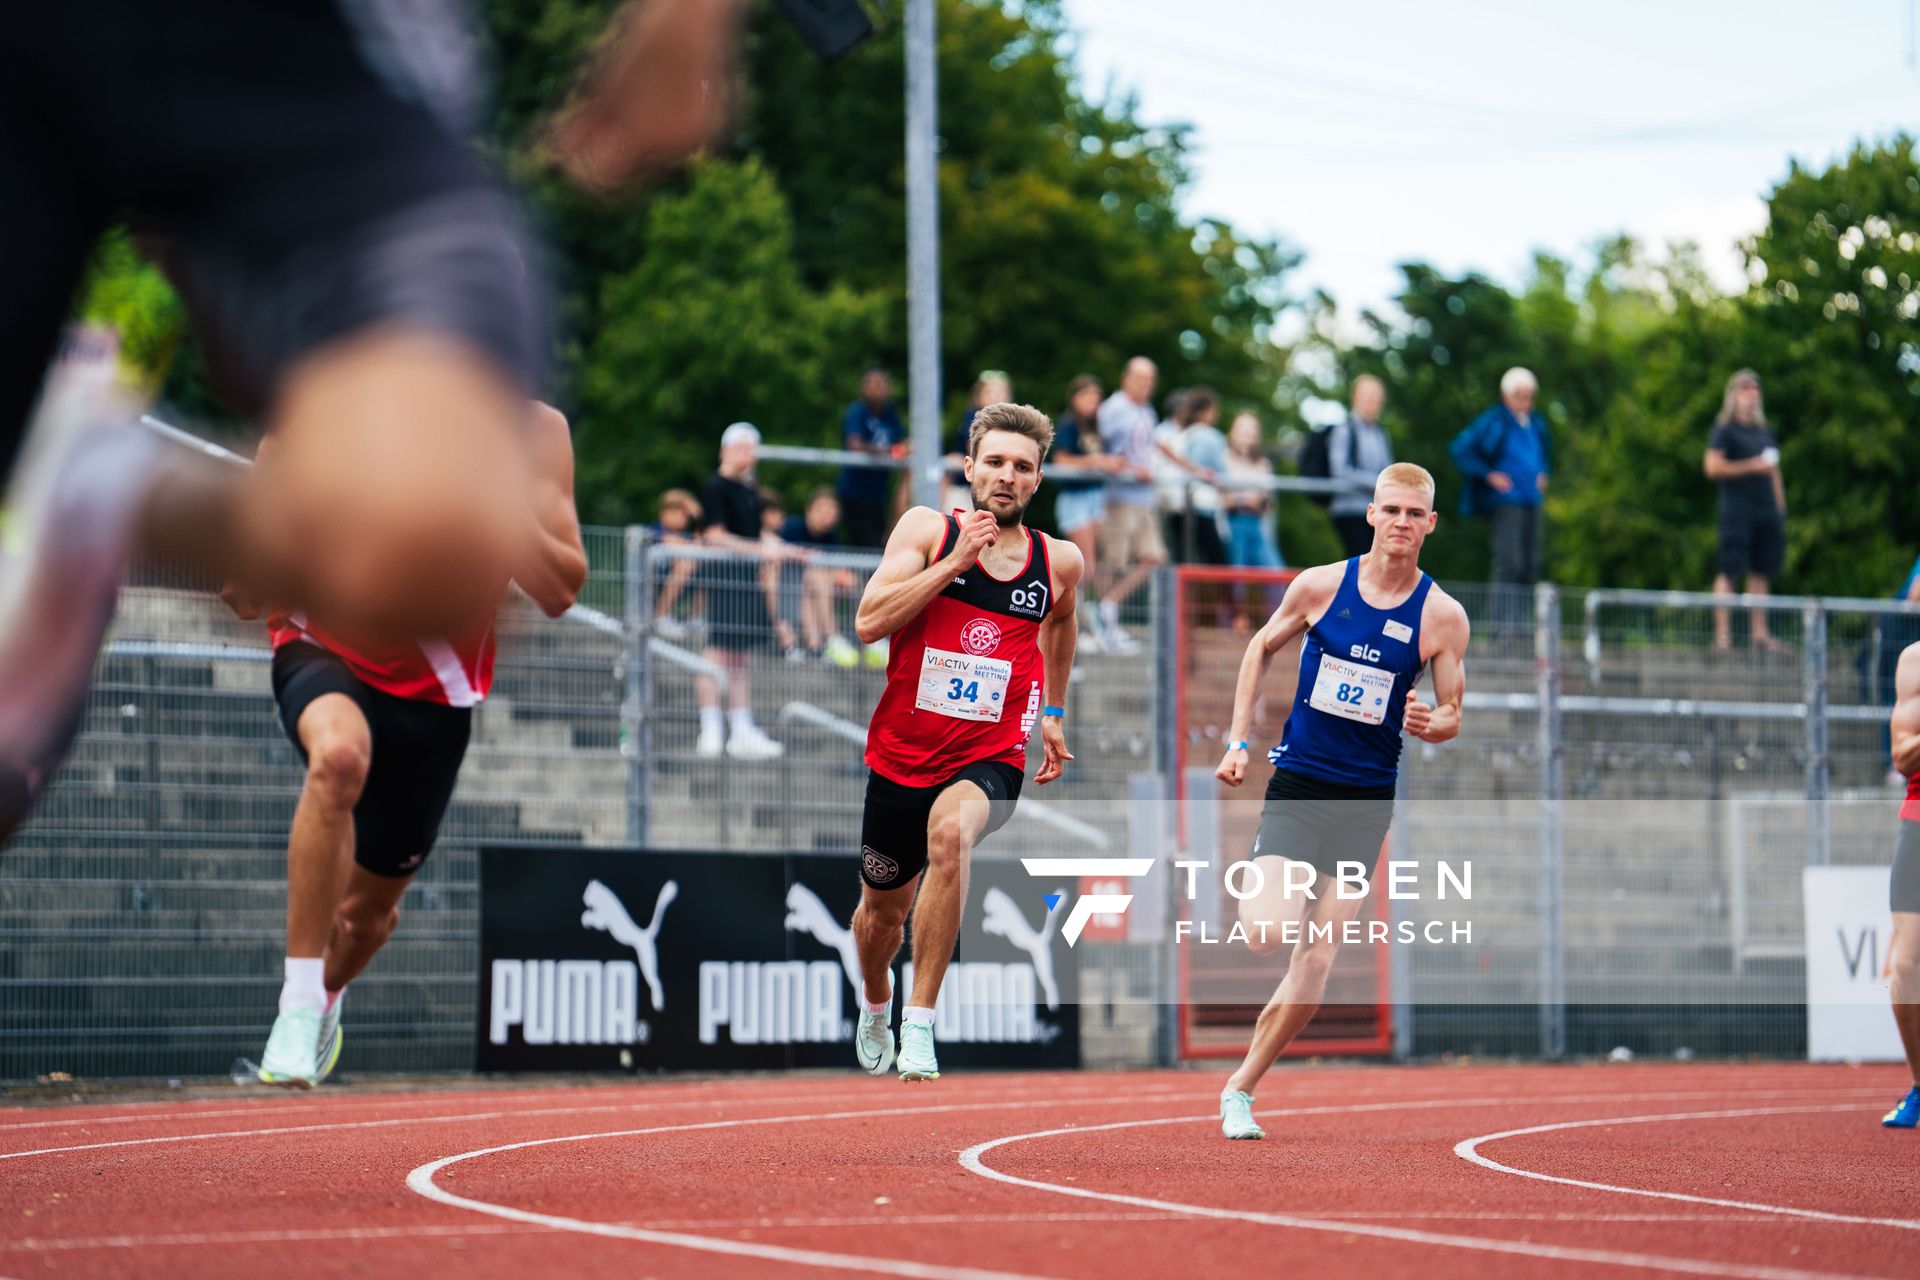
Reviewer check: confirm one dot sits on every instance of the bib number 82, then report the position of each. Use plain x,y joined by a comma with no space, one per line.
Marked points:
963,691
1349,693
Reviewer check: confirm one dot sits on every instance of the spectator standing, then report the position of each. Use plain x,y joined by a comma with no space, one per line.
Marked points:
1131,547
991,387
1743,459
741,589
1251,541
1357,452
1505,455
813,589
1199,455
872,426
679,525
1077,471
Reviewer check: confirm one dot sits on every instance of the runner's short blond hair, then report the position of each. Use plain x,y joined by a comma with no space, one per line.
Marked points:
1407,475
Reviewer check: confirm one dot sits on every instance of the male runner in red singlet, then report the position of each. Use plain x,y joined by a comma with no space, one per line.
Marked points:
1373,625
1903,959
383,731
981,614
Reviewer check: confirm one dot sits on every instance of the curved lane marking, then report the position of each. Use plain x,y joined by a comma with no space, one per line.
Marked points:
1468,1149
421,1181
972,1159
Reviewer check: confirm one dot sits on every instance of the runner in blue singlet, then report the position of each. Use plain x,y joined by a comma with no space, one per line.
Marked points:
1372,625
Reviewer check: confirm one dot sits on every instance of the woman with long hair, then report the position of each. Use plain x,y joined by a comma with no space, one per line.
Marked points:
1743,459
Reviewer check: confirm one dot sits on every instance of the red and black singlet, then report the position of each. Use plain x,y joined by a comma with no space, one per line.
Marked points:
964,677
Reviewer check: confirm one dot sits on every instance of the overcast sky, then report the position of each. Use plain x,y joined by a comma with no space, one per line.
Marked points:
1468,133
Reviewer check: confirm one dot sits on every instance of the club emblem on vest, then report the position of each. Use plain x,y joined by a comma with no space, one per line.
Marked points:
980,637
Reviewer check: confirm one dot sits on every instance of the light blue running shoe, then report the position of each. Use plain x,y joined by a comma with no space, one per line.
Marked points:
292,1057
1236,1116
916,1052
330,1038
873,1043
1907,1114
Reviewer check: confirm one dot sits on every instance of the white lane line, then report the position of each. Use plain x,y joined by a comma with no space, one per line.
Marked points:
421,1180
52,1244
177,1113
393,1122
972,1159
1468,1149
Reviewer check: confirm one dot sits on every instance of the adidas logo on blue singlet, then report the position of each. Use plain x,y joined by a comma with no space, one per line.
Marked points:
1344,613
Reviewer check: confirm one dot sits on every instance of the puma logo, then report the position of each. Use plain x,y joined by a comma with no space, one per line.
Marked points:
807,914
1003,920
608,914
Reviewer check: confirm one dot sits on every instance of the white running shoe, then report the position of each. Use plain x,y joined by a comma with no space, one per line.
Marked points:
873,1042
293,1049
1236,1116
751,744
710,744
328,1055
916,1052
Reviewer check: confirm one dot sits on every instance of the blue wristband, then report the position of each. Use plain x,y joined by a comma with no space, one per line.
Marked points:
1237,746
1056,712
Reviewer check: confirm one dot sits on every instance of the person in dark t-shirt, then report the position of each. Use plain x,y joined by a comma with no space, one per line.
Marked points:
1743,459
740,604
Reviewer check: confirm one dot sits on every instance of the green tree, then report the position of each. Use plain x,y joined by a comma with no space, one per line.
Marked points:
711,325
1833,327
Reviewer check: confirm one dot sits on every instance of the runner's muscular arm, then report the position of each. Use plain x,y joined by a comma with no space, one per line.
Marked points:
1059,634
909,576
1905,728
556,565
1306,595
1441,722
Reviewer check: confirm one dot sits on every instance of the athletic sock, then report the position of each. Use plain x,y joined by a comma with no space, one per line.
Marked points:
712,723
871,1007
916,1013
333,998
740,720
306,983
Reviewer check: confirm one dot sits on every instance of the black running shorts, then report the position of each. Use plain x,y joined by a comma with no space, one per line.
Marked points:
893,827
302,174
1905,893
417,750
1323,823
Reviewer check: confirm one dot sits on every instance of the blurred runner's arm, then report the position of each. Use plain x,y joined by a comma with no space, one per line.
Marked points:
555,567
1905,728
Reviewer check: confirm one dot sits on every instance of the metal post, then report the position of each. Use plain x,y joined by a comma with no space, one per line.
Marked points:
1553,974
636,723
923,254
1400,958
1813,623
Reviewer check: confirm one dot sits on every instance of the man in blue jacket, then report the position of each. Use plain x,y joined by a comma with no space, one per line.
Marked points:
1505,457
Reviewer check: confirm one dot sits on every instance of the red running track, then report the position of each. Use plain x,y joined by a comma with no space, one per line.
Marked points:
1774,1171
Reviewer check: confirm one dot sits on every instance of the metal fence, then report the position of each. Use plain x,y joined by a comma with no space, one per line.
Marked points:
1637,805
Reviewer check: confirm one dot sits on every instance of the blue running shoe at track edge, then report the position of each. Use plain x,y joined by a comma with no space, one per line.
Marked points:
1907,1114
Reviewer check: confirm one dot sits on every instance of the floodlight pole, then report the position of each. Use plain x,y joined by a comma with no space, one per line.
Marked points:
923,255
